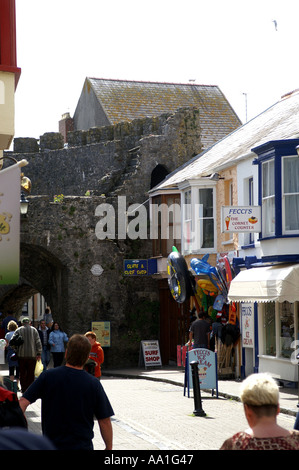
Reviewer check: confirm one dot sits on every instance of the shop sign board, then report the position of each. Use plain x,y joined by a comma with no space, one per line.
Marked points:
247,322
207,368
102,331
140,267
241,219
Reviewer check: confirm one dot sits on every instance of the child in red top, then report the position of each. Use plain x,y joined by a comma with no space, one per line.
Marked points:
96,353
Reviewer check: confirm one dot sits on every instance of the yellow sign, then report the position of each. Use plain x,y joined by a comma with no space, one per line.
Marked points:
102,330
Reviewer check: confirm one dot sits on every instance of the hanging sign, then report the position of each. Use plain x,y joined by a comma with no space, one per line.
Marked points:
241,219
150,354
140,267
135,267
10,184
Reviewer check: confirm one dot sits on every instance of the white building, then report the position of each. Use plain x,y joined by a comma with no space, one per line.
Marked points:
256,165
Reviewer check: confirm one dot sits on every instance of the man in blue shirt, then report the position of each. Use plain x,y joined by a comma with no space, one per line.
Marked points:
71,398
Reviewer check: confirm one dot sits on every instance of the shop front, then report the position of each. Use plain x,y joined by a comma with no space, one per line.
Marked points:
268,297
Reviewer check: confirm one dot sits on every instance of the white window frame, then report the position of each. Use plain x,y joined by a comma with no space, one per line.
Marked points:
285,195
248,185
200,220
266,198
194,223
187,241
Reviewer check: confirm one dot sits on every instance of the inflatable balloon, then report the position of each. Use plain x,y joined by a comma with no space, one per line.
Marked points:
179,281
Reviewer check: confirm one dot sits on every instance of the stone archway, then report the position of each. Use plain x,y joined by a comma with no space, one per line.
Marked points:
40,271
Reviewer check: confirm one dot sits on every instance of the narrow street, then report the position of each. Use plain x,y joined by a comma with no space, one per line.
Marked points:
153,415
157,416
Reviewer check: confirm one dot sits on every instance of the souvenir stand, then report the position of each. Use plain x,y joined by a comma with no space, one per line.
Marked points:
207,287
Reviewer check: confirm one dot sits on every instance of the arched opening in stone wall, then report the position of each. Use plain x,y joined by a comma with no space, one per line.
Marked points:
40,272
158,175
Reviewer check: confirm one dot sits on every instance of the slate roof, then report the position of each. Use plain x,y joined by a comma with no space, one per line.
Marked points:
124,100
278,122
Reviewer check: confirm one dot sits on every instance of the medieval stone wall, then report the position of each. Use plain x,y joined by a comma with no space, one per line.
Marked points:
59,248
58,241
104,160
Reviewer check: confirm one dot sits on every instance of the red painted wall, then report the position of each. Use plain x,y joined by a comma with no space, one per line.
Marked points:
8,54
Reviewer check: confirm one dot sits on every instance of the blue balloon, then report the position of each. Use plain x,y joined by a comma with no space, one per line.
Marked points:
200,266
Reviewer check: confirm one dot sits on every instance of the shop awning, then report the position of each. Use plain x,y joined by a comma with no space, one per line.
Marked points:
266,284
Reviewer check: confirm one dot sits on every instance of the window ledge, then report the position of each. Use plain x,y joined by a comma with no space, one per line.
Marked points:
247,247
228,242
274,358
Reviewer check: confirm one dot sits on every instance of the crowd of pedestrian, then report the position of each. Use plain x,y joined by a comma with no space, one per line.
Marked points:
76,366
27,344
68,418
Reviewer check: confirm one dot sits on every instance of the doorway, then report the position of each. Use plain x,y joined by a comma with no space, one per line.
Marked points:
174,324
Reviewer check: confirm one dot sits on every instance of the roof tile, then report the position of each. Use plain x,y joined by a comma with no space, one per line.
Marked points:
124,100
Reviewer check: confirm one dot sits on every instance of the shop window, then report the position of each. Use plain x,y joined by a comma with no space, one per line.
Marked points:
270,329
287,330
280,329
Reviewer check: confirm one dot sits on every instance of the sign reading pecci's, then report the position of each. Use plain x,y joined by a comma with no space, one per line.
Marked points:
241,219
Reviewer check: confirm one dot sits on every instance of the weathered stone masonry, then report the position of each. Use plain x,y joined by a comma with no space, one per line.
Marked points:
58,241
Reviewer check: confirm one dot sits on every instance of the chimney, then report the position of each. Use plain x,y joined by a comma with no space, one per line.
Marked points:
66,124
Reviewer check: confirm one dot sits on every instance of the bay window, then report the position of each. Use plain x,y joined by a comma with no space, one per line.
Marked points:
198,204
279,188
290,194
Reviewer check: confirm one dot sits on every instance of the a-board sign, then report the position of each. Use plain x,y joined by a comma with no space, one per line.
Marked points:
150,354
207,368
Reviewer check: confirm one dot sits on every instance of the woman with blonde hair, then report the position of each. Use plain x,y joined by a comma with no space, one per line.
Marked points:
260,397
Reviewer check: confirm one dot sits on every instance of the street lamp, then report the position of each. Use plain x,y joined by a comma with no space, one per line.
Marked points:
23,204
25,189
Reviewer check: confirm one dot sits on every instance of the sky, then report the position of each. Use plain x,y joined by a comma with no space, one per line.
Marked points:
234,44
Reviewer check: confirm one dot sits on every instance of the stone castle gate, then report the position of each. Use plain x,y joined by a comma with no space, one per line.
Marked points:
59,245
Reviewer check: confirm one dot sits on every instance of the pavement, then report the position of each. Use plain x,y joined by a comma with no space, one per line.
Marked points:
134,428
229,389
